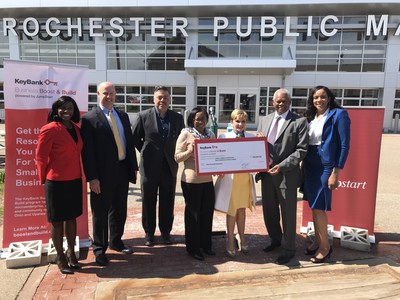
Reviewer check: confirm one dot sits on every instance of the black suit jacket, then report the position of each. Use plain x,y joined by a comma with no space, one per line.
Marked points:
147,140
100,153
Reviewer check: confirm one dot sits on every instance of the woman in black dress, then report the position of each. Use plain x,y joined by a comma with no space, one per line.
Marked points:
58,156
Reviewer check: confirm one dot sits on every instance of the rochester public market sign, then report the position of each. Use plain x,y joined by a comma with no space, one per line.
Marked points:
267,26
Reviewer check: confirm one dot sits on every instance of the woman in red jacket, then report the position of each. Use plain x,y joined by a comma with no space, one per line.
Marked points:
58,156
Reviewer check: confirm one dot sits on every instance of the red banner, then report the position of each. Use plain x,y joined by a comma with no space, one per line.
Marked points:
30,88
353,202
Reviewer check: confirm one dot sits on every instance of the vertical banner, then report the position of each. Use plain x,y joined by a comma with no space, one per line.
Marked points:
30,88
353,202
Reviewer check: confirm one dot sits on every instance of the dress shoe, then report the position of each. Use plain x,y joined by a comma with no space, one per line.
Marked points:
231,253
284,258
315,260
62,265
149,240
72,260
101,259
244,249
271,247
209,252
123,249
197,256
309,251
167,239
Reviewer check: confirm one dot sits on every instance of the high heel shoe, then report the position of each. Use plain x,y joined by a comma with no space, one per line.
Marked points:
315,260
72,260
62,264
244,249
231,253
310,251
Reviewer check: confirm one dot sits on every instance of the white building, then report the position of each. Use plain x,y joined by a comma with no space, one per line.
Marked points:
221,54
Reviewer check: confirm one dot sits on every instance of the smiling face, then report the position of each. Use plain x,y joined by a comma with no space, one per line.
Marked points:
200,121
65,112
239,123
281,102
106,94
321,101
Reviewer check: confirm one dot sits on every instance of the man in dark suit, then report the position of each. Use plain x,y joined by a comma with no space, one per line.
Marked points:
155,132
110,163
287,135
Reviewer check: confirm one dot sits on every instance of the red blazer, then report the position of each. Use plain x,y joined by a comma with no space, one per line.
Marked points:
58,157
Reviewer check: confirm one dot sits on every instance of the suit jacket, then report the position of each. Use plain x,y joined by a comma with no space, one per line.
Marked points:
100,152
147,140
223,185
290,147
58,157
335,142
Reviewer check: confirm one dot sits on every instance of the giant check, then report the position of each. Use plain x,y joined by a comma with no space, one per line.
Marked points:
237,155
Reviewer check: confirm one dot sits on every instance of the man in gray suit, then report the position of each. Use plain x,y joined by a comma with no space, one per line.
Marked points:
287,136
155,132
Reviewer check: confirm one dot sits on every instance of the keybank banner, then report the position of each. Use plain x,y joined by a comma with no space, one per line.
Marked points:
354,201
38,85
30,88
266,26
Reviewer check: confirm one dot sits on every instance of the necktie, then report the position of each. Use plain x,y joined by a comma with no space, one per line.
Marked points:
274,131
116,135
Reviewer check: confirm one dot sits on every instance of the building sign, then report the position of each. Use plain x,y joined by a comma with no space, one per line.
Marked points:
266,26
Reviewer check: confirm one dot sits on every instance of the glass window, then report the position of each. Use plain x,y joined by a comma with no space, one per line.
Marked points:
330,65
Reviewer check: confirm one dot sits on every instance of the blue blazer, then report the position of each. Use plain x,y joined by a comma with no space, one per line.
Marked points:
335,142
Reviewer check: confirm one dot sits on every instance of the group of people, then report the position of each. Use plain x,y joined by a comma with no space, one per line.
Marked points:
313,148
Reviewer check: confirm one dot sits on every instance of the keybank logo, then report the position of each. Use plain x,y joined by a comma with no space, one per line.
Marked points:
28,82
35,82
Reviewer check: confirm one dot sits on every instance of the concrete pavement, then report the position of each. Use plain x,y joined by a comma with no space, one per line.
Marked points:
167,272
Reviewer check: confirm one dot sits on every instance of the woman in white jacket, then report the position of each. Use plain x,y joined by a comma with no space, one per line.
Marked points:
235,192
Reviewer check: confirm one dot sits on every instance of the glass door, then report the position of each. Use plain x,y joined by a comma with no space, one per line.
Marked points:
245,99
226,103
248,102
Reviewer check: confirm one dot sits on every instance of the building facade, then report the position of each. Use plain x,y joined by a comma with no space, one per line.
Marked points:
219,54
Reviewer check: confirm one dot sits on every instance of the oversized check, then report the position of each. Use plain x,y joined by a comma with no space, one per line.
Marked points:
236,155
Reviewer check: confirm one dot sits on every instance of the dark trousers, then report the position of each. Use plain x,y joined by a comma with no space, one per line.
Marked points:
109,209
277,201
163,183
199,212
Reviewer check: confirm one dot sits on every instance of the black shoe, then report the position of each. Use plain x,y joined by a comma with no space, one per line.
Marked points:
197,256
284,258
101,259
72,260
149,240
271,247
167,239
123,249
62,265
315,260
209,252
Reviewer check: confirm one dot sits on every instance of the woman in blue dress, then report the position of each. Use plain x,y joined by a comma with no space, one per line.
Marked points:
329,132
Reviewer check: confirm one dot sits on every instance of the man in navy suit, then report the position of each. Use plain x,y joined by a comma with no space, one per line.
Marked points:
110,164
287,135
155,132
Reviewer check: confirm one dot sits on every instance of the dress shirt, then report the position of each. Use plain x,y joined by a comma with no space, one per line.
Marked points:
316,127
280,122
